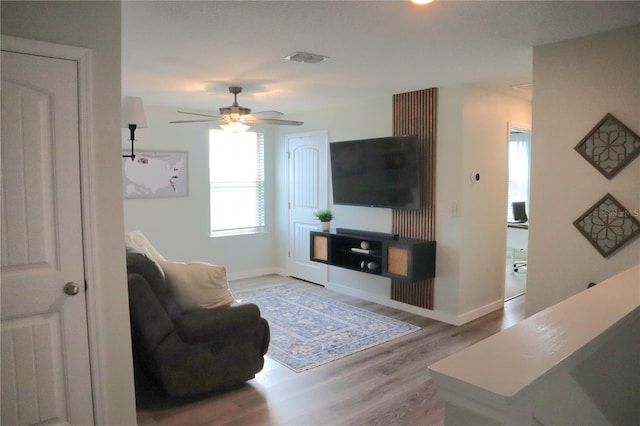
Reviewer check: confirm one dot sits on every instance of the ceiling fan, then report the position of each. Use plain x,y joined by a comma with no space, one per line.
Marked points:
236,118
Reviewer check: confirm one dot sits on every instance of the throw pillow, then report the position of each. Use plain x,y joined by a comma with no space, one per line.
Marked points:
138,239
197,285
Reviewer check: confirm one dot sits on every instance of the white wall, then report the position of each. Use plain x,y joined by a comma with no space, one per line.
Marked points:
96,25
449,178
179,227
471,243
575,84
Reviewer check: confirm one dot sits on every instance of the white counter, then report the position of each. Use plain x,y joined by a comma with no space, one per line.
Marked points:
513,377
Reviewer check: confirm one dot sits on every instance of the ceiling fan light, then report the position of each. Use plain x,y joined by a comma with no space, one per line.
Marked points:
234,127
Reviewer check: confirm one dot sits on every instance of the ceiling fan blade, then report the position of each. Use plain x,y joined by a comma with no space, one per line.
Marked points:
275,121
193,121
237,114
196,113
264,114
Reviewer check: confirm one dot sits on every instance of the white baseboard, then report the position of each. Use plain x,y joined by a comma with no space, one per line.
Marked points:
440,316
436,315
480,312
253,273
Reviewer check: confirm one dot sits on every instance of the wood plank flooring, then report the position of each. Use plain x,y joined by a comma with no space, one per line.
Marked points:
385,385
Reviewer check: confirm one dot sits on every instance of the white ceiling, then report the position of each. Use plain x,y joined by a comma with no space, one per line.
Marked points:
185,54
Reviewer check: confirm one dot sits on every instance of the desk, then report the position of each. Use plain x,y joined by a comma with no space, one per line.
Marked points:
517,238
517,235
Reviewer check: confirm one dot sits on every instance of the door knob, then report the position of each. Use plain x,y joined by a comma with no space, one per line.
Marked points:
71,288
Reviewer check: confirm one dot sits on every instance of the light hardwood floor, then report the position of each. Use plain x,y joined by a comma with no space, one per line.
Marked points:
388,384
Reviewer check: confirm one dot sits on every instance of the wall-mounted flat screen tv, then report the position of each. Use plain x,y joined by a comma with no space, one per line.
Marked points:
379,172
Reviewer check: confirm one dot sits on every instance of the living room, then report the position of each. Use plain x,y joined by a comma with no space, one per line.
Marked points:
562,262
471,127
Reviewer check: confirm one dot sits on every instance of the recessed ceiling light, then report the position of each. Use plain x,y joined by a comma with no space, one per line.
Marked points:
421,2
307,58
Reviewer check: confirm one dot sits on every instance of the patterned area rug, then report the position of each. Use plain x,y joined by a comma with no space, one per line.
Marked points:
308,330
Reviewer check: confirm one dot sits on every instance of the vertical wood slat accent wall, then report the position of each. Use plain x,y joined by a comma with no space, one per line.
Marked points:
414,113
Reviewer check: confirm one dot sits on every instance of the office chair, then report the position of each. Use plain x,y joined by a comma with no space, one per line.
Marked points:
519,211
519,216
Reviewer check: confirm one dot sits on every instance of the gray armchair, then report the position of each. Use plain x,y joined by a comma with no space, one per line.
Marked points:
193,352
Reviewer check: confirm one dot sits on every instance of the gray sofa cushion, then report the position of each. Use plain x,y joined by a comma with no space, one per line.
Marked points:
139,263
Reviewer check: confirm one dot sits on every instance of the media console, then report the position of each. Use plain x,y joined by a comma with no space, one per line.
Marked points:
376,253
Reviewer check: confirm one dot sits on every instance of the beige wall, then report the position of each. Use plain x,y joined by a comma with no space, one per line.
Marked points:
471,223
96,25
575,84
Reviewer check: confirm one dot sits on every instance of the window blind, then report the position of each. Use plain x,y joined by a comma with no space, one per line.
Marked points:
519,160
236,176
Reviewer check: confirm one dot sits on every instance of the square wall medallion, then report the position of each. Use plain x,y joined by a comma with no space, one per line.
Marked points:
609,146
608,225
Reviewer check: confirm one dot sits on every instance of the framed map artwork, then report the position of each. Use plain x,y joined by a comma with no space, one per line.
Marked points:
155,174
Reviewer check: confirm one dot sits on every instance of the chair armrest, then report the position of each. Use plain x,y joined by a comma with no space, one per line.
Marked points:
208,325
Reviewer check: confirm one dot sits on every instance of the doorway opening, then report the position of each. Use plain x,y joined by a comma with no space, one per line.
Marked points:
517,214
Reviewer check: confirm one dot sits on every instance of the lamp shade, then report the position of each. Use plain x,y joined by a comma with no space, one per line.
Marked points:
133,112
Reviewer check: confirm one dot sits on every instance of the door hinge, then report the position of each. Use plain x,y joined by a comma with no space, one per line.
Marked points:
86,286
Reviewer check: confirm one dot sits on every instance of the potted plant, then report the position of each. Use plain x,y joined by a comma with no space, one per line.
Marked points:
324,216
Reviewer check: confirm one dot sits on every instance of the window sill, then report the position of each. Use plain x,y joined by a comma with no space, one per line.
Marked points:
235,232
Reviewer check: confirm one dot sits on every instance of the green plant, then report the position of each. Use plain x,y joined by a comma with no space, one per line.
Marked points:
324,215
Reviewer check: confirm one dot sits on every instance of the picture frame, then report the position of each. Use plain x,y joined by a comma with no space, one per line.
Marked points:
610,146
608,225
155,174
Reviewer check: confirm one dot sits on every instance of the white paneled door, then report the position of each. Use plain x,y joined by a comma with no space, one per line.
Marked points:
308,192
45,352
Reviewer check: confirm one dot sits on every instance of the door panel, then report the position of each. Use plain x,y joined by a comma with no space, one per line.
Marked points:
45,352
32,367
308,183
28,170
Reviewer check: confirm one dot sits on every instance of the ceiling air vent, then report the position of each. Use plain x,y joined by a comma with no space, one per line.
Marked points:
307,58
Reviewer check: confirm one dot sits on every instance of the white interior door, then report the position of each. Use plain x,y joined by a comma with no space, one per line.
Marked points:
308,192
45,353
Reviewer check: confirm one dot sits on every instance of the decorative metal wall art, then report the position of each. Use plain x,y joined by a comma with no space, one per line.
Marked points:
609,146
608,225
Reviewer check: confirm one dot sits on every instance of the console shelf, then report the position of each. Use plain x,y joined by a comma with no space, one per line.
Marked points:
402,258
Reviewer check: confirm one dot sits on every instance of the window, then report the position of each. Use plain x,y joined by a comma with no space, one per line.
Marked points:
236,176
519,153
